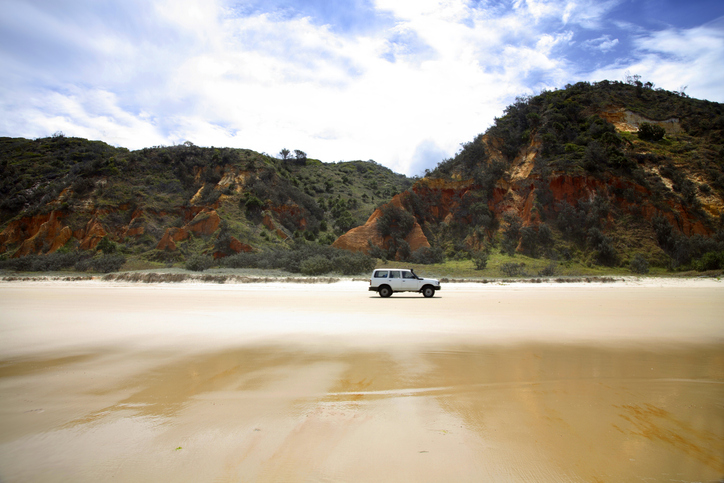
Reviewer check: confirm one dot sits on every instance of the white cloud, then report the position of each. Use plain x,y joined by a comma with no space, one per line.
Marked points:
431,78
93,114
673,58
604,43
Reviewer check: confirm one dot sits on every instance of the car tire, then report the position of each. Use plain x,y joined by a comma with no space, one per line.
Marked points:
428,291
384,291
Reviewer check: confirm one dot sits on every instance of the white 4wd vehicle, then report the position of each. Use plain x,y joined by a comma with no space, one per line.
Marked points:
385,281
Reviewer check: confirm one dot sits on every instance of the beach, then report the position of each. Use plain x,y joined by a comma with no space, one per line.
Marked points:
602,382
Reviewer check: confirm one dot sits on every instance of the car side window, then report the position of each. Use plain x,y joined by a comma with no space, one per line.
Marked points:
407,275
394,274
381,274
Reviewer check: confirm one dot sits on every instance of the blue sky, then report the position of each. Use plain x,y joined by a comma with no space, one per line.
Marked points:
403,82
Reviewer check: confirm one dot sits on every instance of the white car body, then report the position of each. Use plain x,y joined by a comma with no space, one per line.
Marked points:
386,281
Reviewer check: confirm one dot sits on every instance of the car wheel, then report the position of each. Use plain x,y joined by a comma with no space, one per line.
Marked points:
385,291
428,292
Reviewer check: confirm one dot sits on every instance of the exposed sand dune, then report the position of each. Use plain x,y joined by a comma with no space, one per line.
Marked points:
279,382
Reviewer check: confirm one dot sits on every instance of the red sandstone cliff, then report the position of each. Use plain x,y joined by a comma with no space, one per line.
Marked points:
359,239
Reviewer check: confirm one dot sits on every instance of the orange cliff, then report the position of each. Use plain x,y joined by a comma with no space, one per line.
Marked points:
359,239
37,234
443,199
205,222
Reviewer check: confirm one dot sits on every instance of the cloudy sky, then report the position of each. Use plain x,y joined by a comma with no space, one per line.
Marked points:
403,82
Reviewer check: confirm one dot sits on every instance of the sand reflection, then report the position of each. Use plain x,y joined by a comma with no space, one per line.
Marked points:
415,403
535,412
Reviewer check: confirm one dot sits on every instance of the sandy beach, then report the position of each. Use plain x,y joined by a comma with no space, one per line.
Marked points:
594,382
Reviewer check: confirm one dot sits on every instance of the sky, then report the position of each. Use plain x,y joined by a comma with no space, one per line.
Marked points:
402,82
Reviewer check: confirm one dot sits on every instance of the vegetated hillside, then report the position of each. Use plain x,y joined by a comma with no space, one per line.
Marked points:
74,197
610,173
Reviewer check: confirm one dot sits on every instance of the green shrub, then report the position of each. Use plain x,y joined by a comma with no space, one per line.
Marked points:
511,234
240,260
326,239
710,261
605,252
353,263
102,264
651,132
549,270
377,252
428,256
252,202
306,258
529,241
316,265
639,264
513,269
199,263
44,263
106,246
480,260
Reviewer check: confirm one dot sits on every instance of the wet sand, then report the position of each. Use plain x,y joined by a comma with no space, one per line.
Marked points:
284,382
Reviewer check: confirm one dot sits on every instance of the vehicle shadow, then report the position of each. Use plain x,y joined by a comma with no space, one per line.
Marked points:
404,297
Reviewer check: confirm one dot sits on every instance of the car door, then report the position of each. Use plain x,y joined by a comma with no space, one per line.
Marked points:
409,281
395,280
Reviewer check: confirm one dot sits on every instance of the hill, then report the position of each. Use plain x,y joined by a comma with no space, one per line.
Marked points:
612,174
608,174
62,195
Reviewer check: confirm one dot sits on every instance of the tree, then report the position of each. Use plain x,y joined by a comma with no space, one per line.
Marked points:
529,241
472,154
284,154
301,156
345,221
511,233
394,222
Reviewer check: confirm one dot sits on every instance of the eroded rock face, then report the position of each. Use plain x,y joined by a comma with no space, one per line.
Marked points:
443,196
48,237
359,239
237,247
293,213
90,223
22,229
521,192
92,234
135,227
206,222
272,226
416,238
573,189
234,246
170,237
629,121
